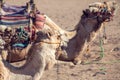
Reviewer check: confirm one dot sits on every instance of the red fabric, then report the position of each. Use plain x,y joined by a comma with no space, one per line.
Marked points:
40,17
39,25
39,21
13,17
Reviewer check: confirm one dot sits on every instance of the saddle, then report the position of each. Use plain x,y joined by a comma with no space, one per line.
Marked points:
16,28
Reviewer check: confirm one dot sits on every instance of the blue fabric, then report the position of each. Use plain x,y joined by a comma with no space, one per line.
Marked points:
18,45
21,45
11,10
13,23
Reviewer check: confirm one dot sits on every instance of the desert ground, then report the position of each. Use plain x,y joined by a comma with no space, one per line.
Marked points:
67,13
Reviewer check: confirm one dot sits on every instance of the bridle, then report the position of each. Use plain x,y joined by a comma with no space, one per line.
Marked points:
50,42
102,14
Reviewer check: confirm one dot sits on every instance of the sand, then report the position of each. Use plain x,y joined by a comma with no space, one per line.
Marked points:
67,13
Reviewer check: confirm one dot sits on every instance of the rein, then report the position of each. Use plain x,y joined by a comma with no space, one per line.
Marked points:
49,42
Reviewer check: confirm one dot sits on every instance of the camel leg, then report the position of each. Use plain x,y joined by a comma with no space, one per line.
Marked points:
78,59
79,53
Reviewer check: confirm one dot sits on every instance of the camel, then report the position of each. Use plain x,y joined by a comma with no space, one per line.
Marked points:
36,61
91,23
75,43
52,42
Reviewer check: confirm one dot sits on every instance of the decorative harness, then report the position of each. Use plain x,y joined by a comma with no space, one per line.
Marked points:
15,36
22,36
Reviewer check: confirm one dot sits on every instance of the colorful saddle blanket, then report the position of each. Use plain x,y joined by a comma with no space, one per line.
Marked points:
14,15
14,10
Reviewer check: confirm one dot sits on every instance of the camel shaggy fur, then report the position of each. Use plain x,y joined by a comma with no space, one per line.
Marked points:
68,46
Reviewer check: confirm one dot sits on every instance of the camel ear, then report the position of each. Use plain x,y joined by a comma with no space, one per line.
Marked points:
85,13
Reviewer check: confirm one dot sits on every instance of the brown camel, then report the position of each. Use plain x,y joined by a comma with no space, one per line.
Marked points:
87,29
75,43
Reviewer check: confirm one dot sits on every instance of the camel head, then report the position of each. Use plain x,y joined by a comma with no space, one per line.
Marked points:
101,11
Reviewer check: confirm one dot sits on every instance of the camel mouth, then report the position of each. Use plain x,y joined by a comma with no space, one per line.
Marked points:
105,10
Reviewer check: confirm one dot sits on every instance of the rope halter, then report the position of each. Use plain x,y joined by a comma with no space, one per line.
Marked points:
105,11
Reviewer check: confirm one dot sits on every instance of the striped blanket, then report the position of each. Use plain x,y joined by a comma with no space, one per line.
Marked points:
14,10
18,37
12,15
13,20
